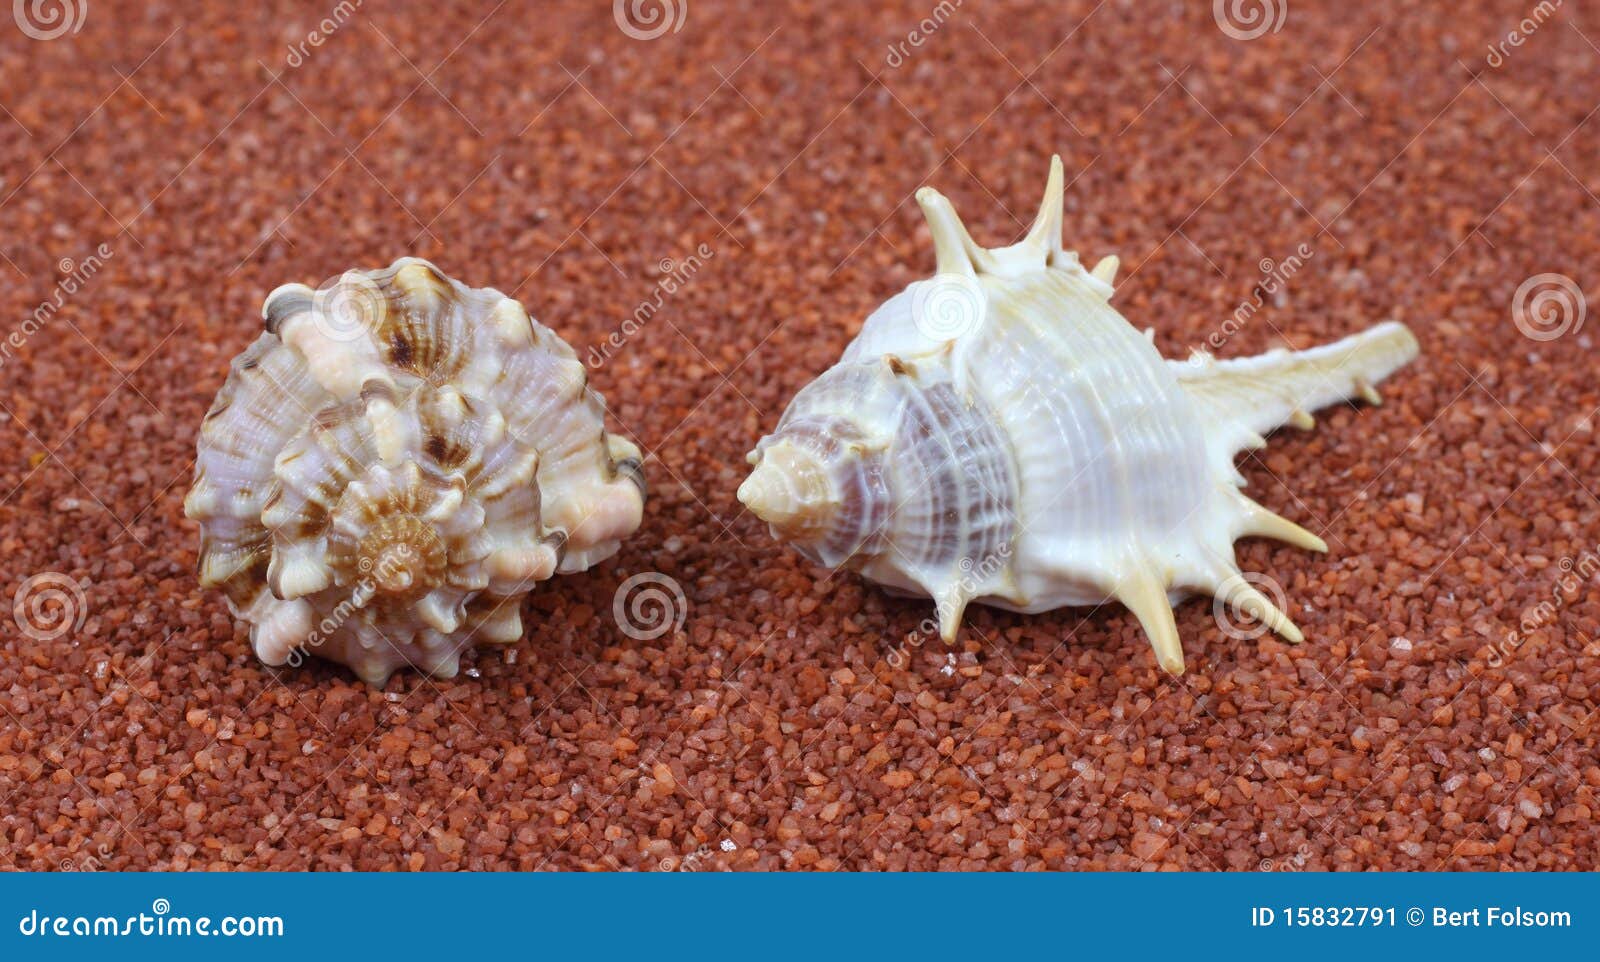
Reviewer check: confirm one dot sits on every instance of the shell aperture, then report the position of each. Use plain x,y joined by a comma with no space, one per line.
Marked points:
394,464
1000,434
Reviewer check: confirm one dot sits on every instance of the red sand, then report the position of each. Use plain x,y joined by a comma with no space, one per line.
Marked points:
542,150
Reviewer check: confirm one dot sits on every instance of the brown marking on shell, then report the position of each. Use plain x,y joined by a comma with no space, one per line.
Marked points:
452,452
243,587
379,389
422,330
329,418
487,611
309,521
452,431
400,351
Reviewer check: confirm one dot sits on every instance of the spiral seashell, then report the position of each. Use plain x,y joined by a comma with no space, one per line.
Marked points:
1000,434
394,464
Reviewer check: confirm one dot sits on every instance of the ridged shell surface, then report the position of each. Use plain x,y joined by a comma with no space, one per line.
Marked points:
999,433
394,464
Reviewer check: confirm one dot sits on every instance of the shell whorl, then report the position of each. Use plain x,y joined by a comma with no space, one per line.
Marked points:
886,468
1032,450
394,464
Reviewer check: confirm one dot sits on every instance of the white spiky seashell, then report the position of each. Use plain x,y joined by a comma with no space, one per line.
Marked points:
1000,434
394,464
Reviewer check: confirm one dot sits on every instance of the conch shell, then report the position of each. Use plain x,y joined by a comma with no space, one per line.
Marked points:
1000,434
394,464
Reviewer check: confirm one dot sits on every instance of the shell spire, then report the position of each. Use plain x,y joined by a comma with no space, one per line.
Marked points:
790,490
999,434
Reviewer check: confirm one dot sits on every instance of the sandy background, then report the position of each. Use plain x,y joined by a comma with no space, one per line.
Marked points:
1440,715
